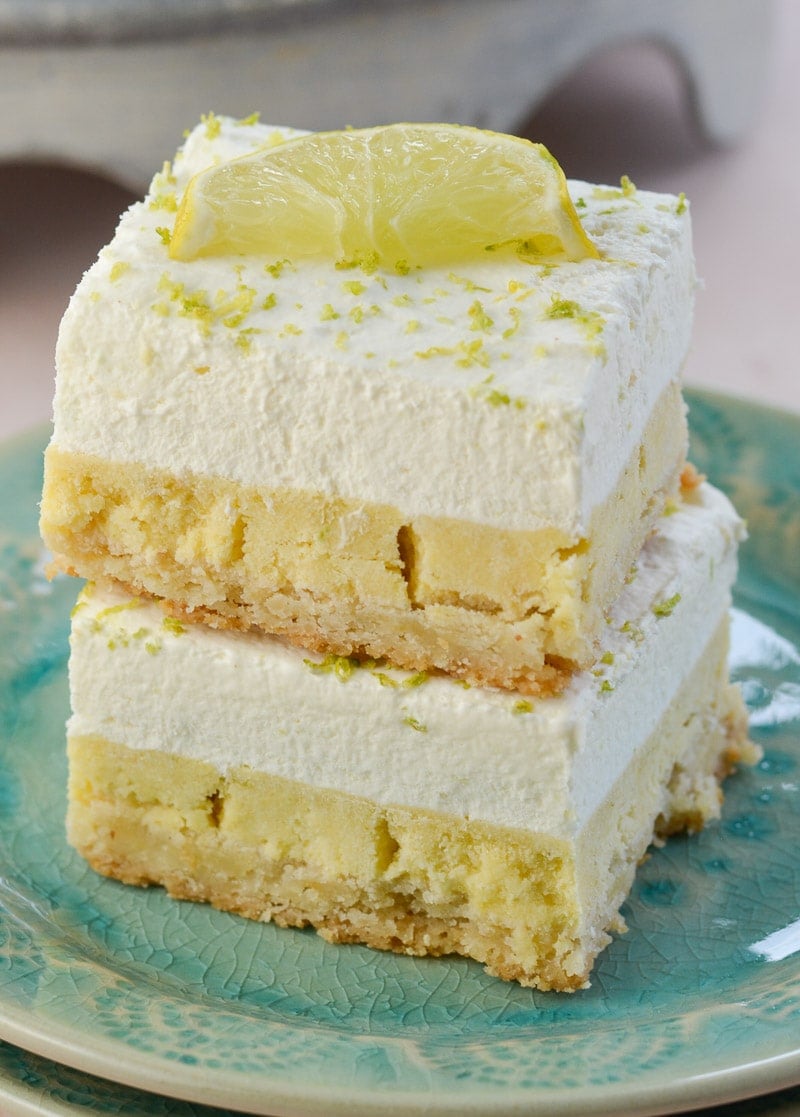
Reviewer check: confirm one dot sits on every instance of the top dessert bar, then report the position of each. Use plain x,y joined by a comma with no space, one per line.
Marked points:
452,467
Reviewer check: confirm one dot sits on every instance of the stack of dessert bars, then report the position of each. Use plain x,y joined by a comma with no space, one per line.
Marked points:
405,616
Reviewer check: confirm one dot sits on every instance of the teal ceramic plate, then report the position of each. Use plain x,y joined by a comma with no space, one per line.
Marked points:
698,1003
33,1086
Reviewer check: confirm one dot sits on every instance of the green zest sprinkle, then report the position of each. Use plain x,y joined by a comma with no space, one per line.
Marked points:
173,625
412,721
606,687
479,319
196,306
275,269
472,353
522,706
633,631
118,270
415,680
164,197
134,603
166,201
515,314
435,351
244,339
246,121
341,666
591,322
628,188
467,284
408,683
269,302
354,286
563,308
607,658
164,234
606,193
170,287
368,263
328,314
213,125
233,309
682,206
495,397
665,608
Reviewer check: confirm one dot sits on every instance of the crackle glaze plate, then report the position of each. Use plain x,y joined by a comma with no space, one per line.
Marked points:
698,1004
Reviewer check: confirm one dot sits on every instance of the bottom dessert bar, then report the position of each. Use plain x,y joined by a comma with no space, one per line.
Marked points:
408,812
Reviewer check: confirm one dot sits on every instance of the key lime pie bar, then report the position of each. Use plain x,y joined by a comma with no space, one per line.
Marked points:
407,619
406,811
450,463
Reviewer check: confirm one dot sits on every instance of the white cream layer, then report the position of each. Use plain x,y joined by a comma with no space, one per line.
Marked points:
145,682
447,392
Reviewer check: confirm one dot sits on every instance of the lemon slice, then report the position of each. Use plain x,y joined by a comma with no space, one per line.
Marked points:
401,194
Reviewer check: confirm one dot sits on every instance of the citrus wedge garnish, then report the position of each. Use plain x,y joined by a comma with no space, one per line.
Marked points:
413,194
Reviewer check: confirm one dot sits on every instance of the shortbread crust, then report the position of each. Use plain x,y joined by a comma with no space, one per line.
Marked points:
513,609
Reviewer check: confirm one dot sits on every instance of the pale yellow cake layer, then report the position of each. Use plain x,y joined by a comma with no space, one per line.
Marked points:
530,906
497,607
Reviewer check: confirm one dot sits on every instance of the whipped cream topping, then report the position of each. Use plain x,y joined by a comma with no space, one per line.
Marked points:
498,391
145,681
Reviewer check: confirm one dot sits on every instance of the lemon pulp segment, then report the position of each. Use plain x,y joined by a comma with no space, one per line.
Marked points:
402,194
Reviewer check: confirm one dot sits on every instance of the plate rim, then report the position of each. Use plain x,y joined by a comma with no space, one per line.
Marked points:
718,1087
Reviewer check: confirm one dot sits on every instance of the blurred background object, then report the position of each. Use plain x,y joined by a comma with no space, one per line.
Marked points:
108,84
693,95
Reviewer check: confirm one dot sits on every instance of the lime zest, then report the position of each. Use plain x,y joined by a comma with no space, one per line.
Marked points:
665,608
